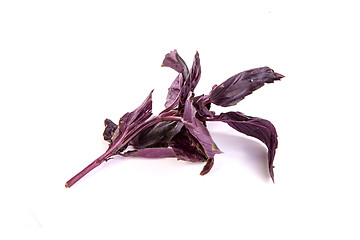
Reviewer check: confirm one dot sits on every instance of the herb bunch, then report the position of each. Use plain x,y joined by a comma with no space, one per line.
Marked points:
180,131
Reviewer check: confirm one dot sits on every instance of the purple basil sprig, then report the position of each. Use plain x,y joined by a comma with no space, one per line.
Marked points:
180,129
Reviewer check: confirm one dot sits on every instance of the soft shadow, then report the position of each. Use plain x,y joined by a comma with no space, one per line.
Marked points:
249,151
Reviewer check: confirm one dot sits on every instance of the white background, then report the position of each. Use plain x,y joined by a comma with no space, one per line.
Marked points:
65,66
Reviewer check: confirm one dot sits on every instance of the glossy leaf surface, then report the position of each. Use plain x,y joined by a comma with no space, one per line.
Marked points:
242,84
157,135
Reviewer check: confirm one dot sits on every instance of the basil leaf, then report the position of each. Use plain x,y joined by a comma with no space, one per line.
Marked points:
237,87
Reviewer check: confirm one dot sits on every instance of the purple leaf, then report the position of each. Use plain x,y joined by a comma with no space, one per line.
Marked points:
191,81
174,91
158,135
209,164
242,84
151,153
110,128
199,131
131,120
174,61
195,72
187,147
255,127
202,110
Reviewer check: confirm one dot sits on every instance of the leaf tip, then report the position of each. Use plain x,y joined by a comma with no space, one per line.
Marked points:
272,174
278,76
204,171
209,164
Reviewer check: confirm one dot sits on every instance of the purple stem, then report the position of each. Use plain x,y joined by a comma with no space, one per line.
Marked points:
125,139
83,172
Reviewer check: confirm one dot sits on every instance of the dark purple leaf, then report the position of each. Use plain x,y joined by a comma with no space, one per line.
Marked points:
195,72
184,94
130,121
158,135
191,81
151,153
242,84
187,147
199,131
202,110
174,91
255,127
209,164
110,128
